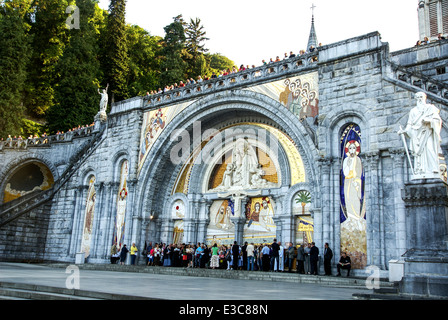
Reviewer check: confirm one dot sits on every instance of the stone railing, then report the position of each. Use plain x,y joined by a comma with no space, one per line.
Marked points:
245,78
45,141
17,207
435,89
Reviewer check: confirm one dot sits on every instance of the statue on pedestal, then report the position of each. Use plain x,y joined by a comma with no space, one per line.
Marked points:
104,99
423,129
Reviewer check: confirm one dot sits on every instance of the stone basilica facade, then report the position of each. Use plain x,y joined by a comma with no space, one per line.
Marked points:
305,149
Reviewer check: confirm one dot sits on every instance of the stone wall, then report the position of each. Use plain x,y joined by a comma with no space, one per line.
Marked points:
25,239
353,88
430,60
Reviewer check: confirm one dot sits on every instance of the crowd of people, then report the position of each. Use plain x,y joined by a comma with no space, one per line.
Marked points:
19,141
225,72
272,257
427,41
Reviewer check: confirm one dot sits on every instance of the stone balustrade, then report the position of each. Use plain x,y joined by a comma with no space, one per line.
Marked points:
45,141
234,80
241,79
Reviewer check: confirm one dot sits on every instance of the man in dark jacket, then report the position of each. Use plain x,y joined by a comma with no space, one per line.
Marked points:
235,254
244,251
290,254
123,254
301,259
344,263
328,255
275,255
314,257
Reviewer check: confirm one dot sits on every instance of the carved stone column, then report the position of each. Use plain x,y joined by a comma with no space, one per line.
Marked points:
238,222
374,218
166,230
335,214
78,219
239,219
102,235
203,220
322,220
284,221
398,171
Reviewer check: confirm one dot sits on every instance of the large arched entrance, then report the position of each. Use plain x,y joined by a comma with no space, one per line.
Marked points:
254,134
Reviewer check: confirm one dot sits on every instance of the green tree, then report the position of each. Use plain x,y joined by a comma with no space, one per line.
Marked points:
49,37
195,38
116,59
218,62
76,95
173,50
14,53
144,61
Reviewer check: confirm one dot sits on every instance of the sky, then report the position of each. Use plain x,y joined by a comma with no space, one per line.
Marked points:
248,31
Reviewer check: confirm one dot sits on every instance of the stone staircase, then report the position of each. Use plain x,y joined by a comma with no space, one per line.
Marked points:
435,90
23,291
354,282
16,208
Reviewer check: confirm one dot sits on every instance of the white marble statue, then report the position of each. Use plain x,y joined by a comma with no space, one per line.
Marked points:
423,129
104,99
244,172
245,161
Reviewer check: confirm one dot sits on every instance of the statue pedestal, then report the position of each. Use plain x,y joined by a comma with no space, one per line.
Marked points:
100,118
426,258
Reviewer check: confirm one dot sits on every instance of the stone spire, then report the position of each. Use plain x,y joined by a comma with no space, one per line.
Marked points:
312,40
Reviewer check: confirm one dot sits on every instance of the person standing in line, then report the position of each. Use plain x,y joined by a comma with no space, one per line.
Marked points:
123,254
290,255
190,254
215,257
157,255
265,258
300,259
314,257
235,255
307,258
198,255
244,251
167,256
133,252
281,257
147,252
328,256
150,257
205,260
228,257
250,257
275,255
113,254
259,257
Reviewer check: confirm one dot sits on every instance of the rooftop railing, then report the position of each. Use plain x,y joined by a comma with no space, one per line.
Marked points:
244,78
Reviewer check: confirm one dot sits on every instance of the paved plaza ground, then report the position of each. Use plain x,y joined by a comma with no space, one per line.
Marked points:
173,287
183,297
